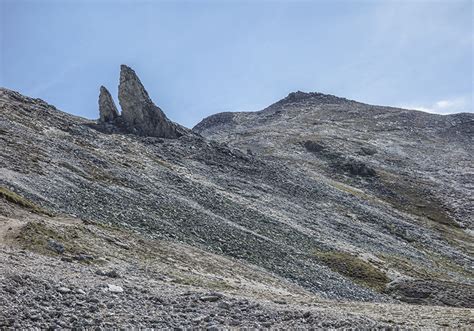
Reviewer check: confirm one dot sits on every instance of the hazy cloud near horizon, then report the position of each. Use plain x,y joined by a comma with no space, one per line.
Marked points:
199,58
448,106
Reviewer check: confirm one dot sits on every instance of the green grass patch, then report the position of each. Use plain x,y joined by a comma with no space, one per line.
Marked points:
34,236
350,266
19,200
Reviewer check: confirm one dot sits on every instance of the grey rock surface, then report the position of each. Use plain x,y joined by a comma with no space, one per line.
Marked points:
107,110
139,112
292,214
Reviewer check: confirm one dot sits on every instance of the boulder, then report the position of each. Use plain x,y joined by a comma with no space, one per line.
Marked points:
367,150
114,288
313,147
56,246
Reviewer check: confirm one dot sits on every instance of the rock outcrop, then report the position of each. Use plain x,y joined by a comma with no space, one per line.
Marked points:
139,113
107,110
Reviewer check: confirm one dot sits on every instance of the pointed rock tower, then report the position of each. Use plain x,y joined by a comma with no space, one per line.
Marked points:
107,109
139,113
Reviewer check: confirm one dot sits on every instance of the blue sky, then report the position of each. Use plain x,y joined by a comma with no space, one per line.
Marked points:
197,58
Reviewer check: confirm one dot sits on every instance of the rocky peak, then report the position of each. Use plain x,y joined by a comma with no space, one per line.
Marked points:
139,113
107,109
132,93
314,97
301,99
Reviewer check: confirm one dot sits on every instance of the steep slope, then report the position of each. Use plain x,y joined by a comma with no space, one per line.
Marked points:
266,212
313,208
188,189
417,161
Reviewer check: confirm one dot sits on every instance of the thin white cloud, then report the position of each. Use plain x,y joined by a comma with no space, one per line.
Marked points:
445,106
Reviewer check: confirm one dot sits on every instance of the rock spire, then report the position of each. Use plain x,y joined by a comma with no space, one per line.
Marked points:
107,110
139,113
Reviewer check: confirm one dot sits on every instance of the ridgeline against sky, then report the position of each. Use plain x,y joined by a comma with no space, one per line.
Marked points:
197,59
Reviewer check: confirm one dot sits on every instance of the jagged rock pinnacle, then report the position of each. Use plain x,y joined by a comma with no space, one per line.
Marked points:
107,109
140,113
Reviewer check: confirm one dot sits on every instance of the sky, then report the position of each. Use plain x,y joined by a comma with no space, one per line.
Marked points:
197,58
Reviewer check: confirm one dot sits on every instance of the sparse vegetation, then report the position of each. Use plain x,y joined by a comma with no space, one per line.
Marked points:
412,268
354,191
415,199
35,235
19,200
361,272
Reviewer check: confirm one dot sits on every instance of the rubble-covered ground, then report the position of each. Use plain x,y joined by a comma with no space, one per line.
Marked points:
317,225
108,277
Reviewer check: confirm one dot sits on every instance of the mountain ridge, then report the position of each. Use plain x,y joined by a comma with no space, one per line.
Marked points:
326,98
340,204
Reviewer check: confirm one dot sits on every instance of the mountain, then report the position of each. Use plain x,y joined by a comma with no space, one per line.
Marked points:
285,217
418,162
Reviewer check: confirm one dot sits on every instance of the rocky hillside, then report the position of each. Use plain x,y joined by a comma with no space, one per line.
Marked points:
416,161
415,164
315,198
